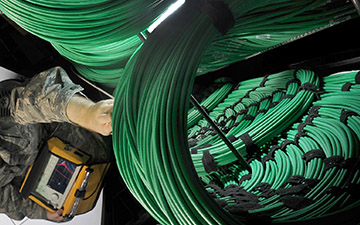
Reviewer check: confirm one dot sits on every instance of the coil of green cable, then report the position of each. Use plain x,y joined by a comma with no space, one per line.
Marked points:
100,36
309,165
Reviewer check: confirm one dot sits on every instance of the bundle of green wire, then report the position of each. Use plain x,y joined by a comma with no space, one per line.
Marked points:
100,36
315,166
151,135
151,109
97,36
271,25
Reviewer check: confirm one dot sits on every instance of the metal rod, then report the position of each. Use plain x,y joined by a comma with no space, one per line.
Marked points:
92,85
220,133
357,5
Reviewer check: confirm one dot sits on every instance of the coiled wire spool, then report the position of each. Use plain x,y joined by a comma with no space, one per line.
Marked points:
150,131
100,36
97,36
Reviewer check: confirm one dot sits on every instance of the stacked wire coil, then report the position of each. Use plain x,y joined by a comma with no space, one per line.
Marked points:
309,171
99,37
183,174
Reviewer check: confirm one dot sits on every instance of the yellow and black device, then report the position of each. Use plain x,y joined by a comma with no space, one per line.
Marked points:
61,178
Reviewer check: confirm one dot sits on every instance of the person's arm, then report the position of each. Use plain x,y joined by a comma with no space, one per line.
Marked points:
43,98
52,97
92,116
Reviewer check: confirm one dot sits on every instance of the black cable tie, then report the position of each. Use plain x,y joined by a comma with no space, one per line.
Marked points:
209,163
273,149
268,194
262,84
357,78
244,178
285,143
300,189
350,163
229,107
266,158
345,114
250,160
314,111
262,187
273,104
260,111
302,126
195,150
222,123
205,129
296,202
243,111
311,182
269,97
232,117
257,104
192,143
286,96
219,14
309,119
226,129
316,153
346,86
247,95
301,132
295,80
214,187
232,138
312,88
335,191
295,179
333,161
250,146
249,117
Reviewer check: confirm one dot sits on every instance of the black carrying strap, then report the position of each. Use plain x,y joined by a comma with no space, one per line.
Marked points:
219,14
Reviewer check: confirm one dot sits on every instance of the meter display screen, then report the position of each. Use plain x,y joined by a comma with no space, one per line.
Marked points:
61,175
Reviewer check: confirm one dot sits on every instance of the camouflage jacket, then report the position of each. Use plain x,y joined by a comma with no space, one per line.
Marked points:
34,112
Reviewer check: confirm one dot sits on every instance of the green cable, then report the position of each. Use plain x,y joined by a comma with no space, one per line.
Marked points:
100,36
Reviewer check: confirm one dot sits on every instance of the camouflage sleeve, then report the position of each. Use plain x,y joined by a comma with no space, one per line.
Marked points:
16,207
44,98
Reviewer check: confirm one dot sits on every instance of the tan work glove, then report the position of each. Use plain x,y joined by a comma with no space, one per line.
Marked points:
92,116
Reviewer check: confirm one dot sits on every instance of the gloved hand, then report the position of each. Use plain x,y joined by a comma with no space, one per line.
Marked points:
92,116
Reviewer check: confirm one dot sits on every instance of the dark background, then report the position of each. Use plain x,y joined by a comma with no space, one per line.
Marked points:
328,51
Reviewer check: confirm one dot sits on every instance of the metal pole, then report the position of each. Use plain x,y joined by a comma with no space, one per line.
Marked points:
220,133
357,5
